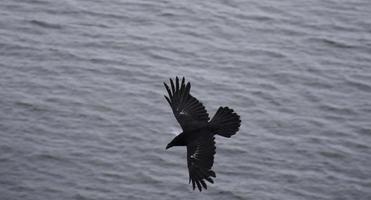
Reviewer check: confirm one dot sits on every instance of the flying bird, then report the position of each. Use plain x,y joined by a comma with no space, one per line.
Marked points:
198,131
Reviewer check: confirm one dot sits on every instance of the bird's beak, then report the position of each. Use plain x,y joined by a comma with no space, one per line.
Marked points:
168,146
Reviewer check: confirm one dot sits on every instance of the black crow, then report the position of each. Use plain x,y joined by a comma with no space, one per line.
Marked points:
198,132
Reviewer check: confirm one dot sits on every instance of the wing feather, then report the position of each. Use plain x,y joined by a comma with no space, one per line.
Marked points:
200,159
189,112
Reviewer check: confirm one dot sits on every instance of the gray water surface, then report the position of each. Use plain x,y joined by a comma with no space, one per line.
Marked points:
82,112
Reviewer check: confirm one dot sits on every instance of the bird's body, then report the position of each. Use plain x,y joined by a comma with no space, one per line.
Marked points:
198,132
190,136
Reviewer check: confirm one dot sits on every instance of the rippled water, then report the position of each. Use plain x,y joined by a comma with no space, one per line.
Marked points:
82,113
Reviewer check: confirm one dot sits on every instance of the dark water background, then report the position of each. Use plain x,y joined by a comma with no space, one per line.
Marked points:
82,113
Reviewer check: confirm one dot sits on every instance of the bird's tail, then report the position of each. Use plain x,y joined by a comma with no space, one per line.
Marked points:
225,122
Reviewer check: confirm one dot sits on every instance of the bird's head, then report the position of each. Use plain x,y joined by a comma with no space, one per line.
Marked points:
177,141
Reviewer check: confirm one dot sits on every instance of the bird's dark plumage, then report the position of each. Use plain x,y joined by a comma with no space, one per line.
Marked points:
187,110
198,132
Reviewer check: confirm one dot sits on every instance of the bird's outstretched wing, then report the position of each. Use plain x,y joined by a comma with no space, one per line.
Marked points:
188,111
200,159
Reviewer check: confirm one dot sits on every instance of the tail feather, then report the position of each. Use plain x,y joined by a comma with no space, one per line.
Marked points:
225,122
